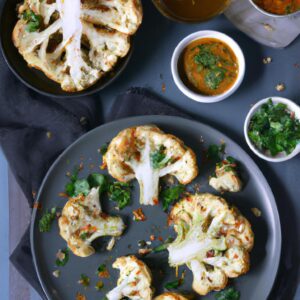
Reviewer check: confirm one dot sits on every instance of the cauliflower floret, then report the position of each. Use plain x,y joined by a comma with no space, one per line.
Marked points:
82,221
213,240
170,296
226,177
147,153
134,281
64,40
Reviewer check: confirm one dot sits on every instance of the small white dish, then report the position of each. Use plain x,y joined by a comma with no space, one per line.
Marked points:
207,34
292,106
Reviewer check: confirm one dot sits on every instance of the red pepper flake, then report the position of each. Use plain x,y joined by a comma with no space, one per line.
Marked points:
80,296
63,195
103,166
160,238
152,237
37,205
103,274
155,201
235,256
138,215
210,253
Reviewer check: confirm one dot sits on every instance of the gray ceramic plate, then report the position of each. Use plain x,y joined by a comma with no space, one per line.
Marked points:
256,193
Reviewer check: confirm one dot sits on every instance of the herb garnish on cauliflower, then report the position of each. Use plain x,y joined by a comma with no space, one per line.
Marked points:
213,240
134,281
82,221
147,153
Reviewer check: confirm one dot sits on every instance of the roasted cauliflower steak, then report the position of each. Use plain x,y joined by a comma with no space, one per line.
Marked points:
226,177
82,221
170,296
134,281
147,153
75,42
213,240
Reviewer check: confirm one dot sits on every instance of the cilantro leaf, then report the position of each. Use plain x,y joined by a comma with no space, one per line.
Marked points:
228,294
98,180
174,284
159,158
120,192
215,152
170,195
34,22
62,262
81,186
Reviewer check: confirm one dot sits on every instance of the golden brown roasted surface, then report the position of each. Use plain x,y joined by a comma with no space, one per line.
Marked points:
76,42
82,221
147,153
214,241
134,281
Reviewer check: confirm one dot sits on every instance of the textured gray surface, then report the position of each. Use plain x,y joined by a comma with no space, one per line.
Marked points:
154,44
256,193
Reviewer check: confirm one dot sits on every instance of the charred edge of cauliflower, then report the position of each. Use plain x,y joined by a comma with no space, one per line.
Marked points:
226,177
213,240
134,281
82,221
170,296
147,153
71,48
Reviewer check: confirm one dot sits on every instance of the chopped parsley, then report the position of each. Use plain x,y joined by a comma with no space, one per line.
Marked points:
170,195
163,246
46,220
215,152
104,148
98,180
228,294
174,284
84,280
274,128
81,186
62,257
34,22
159,158
102,271
214,77
120,192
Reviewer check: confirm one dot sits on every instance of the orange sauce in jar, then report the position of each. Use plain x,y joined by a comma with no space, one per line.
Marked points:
279,7
209,66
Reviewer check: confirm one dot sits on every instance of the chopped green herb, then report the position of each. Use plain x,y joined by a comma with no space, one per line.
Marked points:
34,22
84,280
104,148
101,268
120,192
215,152
170,195
84,236
174,284
228,294
62,257
81,186
46,220
163,246
98,180
274,128
159,158
214,77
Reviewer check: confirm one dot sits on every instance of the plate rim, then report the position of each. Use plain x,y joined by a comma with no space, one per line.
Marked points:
147,118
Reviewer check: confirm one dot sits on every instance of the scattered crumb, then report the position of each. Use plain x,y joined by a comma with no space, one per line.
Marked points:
163,87
63,195
60,255
144,251
152,237
56,273
81,166
148,243
68,174
99,285
160,238
268,27
91,166
111,244
83,121
267,60
138,215
49,134
280,87
37,205
256,212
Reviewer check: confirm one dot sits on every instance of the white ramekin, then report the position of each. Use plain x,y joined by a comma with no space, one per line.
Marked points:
292,106
207,34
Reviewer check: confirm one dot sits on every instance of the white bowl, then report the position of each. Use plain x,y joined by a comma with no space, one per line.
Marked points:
207,34
282,156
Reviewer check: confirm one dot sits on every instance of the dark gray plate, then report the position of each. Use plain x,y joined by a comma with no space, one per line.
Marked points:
256,193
